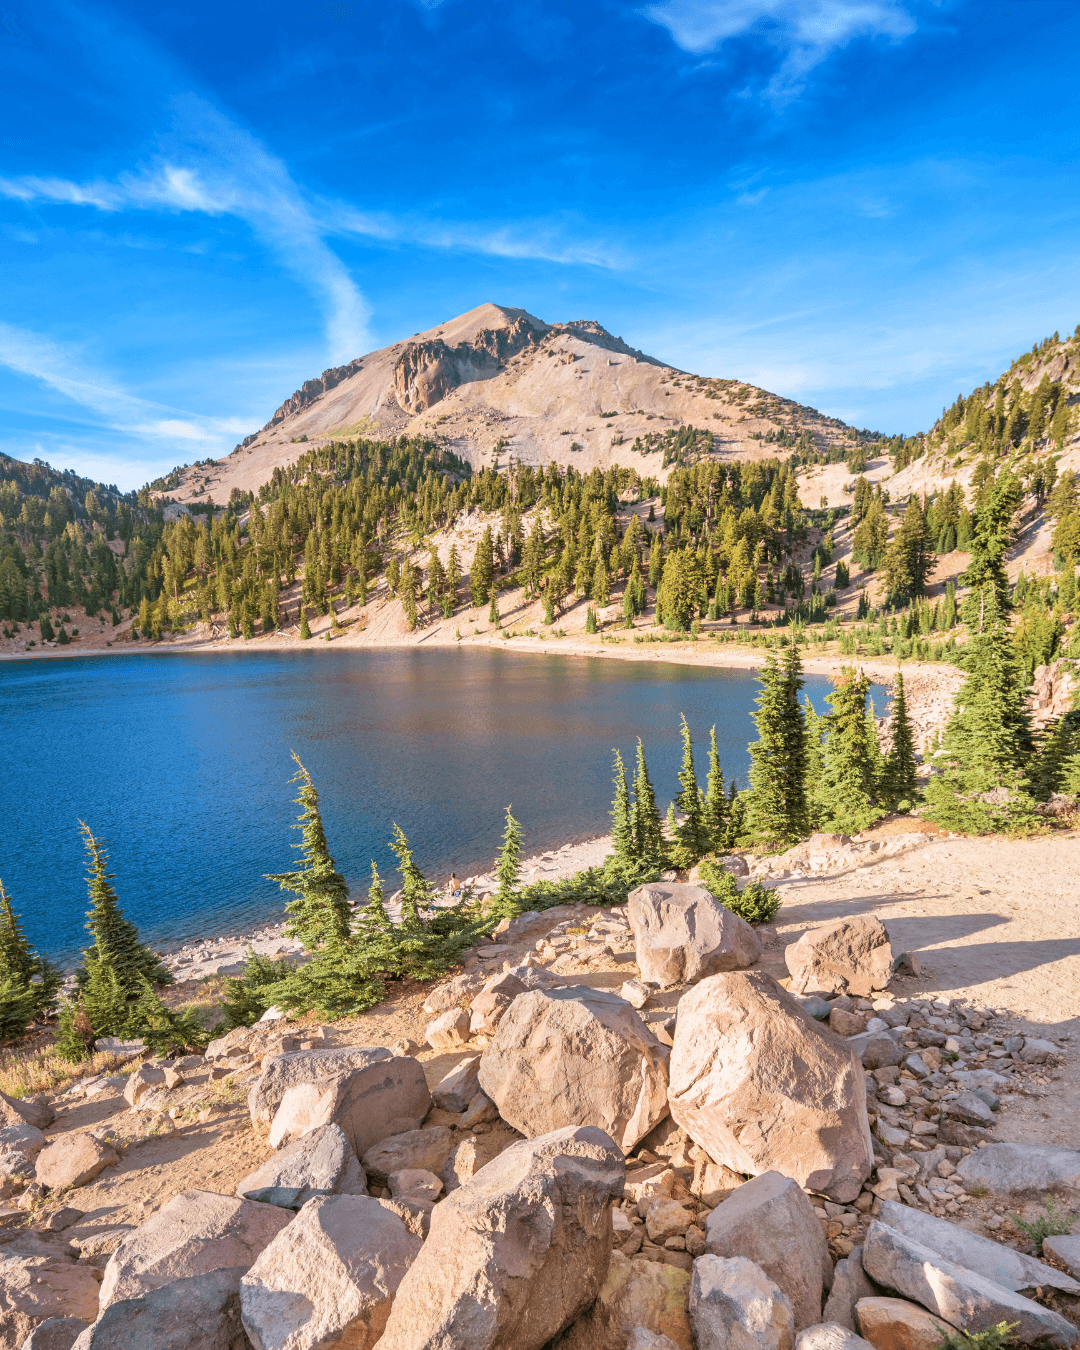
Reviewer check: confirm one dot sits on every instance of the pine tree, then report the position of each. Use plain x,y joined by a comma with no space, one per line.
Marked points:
900,781
692,835
116,948
873,746
776,810
508,867
305,631
622,827
319,915
20,964
716,812
416,894
75,1038
493,611
847,779
483,568
453,578
995,530
648,831
164,1031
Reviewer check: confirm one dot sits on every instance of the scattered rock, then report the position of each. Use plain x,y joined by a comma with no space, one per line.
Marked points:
733,1303
514,1256
682,934
895,1324
25,1111
762,1086
467,1157
449,1031
55,1333
848,1287
850,956
320,1162
329,1278
640,1339
200,1312
576,1056
829,1336
1006,1168
427,1149
60,1219
482,1110
195,1233
880,1052
459,1087
960,1296
713,1182
770,1221
73,1160
145,1079
970,1109
665,1218
25,1139
487,1008
299,1067
415,1183
636,994
636,1295
41,1283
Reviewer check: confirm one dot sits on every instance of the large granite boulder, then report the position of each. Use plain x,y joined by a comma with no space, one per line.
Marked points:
200,1312
384,1096
195,1233
516,1254
850,956
321,1162
682,934
735,1306
770,1221
40,1282
329,1278
73,1160
25,1111
1008,1168
487,1008
576,1056
961,1297
761,1086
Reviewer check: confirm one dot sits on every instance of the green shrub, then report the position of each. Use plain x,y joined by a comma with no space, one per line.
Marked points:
993,1338
755,903
1051,1223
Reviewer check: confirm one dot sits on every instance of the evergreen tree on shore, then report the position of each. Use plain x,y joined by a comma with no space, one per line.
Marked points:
648,827
116,946
848,785
691,835
716,805
29,975
776,812
415,888
900,780
508,866
319,916
622,826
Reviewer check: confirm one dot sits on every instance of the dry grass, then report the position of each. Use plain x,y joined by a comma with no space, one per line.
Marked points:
34,1066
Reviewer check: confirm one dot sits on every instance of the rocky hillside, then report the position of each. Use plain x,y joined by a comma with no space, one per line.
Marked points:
499,382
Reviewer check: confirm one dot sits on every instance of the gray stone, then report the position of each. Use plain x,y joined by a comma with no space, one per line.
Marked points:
1066,1249
456,1090
1001,1264
25,1139
329,1278
1037,1051
962,1297
761,1086
321,1162
770,1221
970,1109
735,1306
849,1285
819,1008
473,1153
848,956
830,1336
427,1149
576,1056
1005,1169
200,1312
681,934
516,1254
73,1160
382,1096
303,1066
880,1051
415,1183
55,1333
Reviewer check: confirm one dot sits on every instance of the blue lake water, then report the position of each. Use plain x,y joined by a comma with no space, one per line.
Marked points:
181,762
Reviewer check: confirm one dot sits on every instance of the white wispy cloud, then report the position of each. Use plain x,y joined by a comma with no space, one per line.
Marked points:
804,31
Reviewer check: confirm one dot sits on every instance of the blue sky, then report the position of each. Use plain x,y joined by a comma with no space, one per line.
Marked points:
867,205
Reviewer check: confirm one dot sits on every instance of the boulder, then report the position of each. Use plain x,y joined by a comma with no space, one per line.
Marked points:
576,1056
369,1101
516,1254
880,1051
487,1008
146,1078
636,993
25,1111
302,1066
959,1245
482,1111
456,1090
848,1287
895,1324
640,1339
427,1149
40,1284
415,1183
959,1296
829,1336
55,1333
666,1218
25,1139
713,1182
329,1278
473,1153
770,1221
850,956
200,1312
970,1109
414,1214
195,1233
1006,1168
735,1306
1065,1249
762,1086
449,1031
321,1162
73,1160
637,1297
682,934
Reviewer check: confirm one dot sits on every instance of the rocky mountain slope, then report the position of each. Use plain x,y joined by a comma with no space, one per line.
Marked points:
497,382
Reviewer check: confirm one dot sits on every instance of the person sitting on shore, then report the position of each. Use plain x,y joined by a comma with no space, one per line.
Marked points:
453,885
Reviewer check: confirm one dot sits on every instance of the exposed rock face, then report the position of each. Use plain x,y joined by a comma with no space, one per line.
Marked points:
195,1233
427,371
1052,692
514,1256
735,1306
895,1324
962,1297
308,392
636,1296
73,1160
770,1221
576,1056
329,1278
762,1086
371,1101
321,1162
682,934
850,956
201,1312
